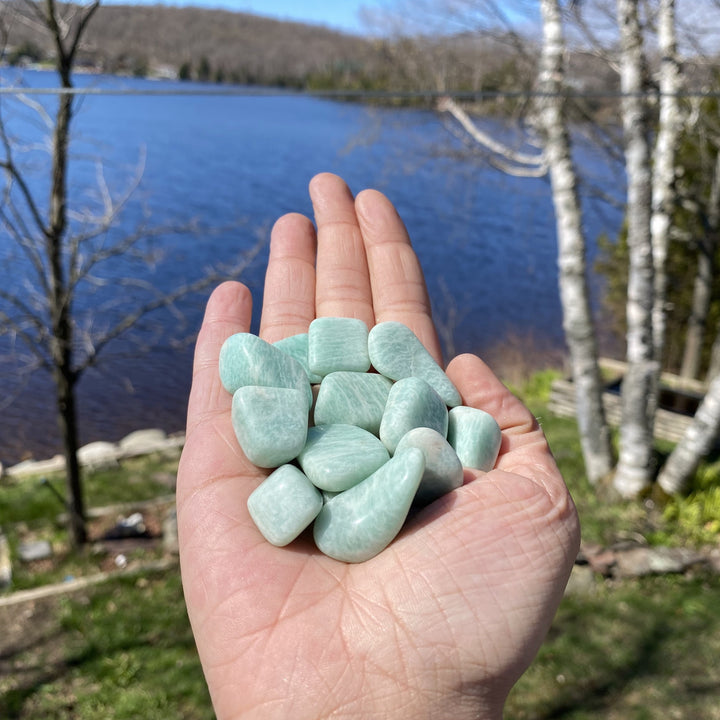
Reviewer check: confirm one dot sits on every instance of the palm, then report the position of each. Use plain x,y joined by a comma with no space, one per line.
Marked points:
451,613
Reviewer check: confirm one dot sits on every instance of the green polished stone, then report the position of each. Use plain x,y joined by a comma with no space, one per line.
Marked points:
336,343
246,359
296,346
336,457
396,352
284,504
411,403
270,423
443,469
357,524
352,398
476,437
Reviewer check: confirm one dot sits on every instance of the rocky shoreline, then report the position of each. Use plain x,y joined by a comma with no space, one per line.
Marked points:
101,454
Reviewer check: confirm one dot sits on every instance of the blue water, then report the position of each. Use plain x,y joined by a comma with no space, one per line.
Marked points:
231,166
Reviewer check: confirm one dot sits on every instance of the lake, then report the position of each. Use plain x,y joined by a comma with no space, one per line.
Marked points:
231,165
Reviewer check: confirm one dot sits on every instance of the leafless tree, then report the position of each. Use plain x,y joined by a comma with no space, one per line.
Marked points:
66,249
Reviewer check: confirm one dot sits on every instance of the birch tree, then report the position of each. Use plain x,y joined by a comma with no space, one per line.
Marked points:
697,442
635,469
663,194
703,284
555,158
578,322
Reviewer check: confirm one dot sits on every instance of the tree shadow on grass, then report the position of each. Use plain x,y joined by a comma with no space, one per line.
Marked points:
637,650
126,646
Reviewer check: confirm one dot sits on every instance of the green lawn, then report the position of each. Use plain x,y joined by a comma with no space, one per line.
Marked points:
123,650
635,650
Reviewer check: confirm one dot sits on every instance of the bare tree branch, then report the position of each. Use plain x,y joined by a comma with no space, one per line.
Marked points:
509,160
166,300
12,326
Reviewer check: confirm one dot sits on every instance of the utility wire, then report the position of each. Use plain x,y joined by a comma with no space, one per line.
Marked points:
249,91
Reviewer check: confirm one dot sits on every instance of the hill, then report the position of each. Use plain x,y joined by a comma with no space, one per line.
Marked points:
194,42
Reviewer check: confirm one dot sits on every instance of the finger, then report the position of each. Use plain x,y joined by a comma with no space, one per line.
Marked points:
524,449
289,297
228,311
398,286
342,286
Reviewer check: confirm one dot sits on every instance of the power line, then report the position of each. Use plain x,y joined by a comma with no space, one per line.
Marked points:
250,91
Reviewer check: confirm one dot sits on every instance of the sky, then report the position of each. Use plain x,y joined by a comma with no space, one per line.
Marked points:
339,14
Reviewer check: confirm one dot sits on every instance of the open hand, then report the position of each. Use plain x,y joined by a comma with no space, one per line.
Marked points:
444,621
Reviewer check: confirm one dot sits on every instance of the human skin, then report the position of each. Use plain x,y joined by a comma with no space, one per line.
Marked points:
443,622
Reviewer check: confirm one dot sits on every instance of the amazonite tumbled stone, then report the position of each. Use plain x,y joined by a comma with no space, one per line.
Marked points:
270,423
357,524
296,346
352,398
246,359
336,343
396,352
443,469
336,457
284,504
476,437
411,403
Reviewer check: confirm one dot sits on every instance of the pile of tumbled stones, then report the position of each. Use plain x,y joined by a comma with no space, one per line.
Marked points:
357,427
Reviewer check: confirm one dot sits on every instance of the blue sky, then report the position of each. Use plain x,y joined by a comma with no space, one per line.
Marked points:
340,14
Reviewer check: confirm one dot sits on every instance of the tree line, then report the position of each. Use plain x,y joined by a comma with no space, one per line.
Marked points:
209,45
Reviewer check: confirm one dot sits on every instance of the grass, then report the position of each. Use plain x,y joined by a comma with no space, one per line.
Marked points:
135,479
122,651
630,649
637,650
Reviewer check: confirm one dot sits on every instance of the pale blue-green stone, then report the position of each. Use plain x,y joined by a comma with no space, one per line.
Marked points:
336,457
246,359
443,469
475,436
357,524
411,403
395,351
270,423
284,504
353,398
296,346
336,343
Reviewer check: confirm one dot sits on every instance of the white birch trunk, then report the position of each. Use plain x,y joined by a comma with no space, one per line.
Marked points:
701,300
635,465
696,443
714,368
702,287
577,316
663,194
